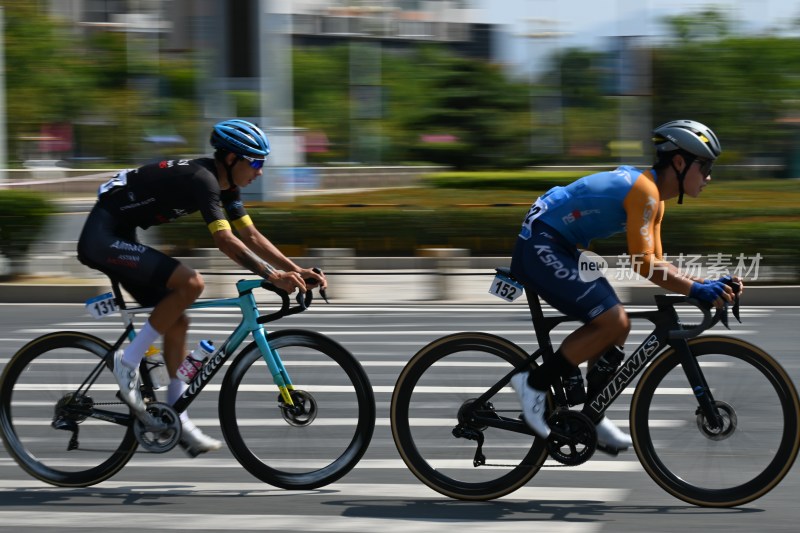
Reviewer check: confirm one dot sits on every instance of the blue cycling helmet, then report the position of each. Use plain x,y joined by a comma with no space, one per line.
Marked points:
241,138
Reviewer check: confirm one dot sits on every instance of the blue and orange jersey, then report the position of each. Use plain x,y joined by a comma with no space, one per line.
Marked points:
600,205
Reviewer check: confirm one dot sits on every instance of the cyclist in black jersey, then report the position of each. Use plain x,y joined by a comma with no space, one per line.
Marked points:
158,193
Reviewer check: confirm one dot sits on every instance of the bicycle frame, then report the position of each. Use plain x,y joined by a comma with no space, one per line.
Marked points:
668,332
251,324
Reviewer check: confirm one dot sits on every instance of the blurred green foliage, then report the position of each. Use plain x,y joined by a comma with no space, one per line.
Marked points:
23,215
416,104
736,217
108,85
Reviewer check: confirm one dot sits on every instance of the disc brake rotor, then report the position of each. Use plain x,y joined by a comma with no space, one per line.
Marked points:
729,422
304,410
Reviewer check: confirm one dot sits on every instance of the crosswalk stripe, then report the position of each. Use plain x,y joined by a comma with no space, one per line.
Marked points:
153,461
329,421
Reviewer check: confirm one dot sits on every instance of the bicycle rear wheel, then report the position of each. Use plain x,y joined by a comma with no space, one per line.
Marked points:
436,383
757,445
309,449
36,395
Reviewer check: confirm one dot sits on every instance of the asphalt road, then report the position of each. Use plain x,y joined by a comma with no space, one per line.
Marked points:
214,493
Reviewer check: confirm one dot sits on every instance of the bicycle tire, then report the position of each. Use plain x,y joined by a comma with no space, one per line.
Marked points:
39,375
432,387
285,455
742,464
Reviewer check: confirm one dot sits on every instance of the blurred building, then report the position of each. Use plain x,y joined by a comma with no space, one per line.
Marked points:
245,45
194,25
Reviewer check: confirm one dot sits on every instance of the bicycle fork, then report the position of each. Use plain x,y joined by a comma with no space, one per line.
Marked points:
275,365
702,392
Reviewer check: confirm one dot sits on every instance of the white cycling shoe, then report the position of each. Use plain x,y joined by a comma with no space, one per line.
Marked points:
128,381
610,438
533,404
194,442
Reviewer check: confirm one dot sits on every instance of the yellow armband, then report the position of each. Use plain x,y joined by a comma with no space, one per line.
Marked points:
243,222
219,225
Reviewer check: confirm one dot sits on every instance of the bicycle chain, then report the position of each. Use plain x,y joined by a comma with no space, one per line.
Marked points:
543,466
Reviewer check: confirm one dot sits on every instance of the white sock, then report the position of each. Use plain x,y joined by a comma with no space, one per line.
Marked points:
135,351
175,390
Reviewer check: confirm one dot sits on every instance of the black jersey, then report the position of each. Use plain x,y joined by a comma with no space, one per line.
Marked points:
160,192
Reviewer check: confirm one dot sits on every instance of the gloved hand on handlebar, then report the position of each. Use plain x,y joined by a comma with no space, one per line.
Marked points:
710,291
734,282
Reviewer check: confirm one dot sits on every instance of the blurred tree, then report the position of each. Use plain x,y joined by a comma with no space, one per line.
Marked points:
708,23
321,101
740,86
47,78
471,117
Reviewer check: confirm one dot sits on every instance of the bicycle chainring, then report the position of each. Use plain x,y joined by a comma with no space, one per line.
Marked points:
165,431
573,437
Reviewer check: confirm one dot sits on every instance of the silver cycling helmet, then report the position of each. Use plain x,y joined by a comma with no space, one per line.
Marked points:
689,137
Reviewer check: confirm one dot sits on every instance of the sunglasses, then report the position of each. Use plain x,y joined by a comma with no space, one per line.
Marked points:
253,162
705,166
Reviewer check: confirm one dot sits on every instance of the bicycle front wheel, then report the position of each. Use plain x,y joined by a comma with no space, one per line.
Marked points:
443,378
47,428
320,441
724,467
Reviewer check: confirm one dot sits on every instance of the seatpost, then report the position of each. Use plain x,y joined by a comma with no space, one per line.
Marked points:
537,318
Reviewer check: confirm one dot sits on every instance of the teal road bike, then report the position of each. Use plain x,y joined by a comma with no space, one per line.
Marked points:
296,408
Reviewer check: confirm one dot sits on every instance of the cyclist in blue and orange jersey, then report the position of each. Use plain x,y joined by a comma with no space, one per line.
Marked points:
158,193
546,259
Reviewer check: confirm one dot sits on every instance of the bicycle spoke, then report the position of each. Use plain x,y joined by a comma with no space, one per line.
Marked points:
738,462
439,383
317,440
49,434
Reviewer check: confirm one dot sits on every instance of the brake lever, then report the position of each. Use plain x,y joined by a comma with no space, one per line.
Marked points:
737,289
314,281
722,315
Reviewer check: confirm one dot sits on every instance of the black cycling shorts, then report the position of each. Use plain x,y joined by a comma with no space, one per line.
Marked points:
111,247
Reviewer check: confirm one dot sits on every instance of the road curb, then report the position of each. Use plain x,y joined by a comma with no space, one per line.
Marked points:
778,295
49,293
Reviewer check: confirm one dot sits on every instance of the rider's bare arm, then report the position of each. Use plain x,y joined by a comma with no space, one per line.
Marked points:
263,247
234,248
643,229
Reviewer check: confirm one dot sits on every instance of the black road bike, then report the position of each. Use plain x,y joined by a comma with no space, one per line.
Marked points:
714,420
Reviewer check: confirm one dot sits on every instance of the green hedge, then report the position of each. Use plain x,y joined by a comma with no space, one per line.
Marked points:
23,215
482,211
492,231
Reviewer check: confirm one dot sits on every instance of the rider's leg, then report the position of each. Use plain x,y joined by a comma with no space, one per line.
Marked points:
588,342
591,340
183,287
193,440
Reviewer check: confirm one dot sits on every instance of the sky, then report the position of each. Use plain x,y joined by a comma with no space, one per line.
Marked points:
590,23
